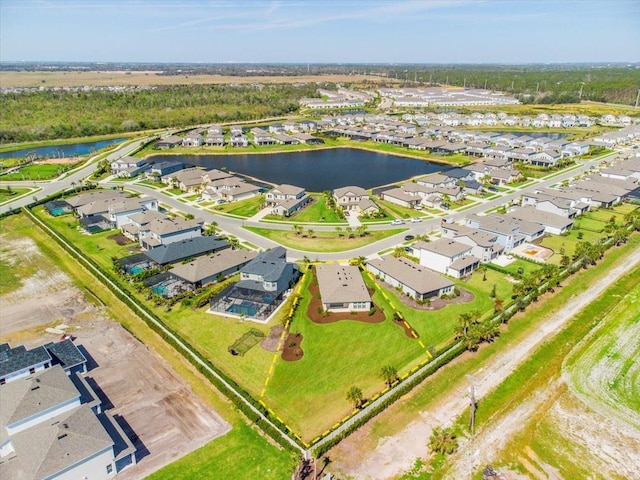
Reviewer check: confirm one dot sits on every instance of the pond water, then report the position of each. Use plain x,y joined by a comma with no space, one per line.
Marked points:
317,170
55,151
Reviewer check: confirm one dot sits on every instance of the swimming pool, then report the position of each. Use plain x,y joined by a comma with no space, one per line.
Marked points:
245,308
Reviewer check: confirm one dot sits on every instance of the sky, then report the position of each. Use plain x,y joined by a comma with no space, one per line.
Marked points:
321,31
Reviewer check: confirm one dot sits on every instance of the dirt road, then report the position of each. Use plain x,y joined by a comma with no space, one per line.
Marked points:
396,454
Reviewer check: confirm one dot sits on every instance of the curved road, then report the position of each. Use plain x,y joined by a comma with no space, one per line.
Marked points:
235,226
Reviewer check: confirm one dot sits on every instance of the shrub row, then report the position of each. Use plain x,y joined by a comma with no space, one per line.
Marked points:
279,433
322,446
500,269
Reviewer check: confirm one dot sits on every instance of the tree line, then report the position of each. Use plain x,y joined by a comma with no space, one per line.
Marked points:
53,114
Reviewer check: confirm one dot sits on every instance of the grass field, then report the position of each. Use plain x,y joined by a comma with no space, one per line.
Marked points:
243,208
230,456
8,194
316,212
323,241
37,172
396,418
551,437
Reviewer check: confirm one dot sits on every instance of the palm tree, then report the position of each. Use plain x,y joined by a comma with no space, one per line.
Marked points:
389,374
211,229
443,441
354,395
310,232
362,230
339,231
349,231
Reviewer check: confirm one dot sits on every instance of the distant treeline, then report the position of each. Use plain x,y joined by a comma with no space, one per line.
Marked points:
46,115
536,83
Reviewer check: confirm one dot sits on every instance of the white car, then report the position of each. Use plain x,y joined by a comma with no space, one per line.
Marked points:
416,220
397,222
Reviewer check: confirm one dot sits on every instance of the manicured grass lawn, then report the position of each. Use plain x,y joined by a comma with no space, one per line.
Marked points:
323,241
309,394
9,279
568,242
316,212
8,194
527,267
400,212
240,454
603,215
37,172
396,418
243,208
586,223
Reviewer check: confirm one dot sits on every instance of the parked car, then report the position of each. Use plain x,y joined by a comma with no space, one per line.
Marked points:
397,222
416,220
444,206
492,189
408,237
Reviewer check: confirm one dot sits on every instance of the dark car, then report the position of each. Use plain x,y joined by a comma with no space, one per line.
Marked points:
409,237
444,206
492,189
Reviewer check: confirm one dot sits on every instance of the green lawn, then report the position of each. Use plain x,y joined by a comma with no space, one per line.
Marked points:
37,172
559,242
400,212
309,394
316,212
586,223
323,241
242,453
243,208
8,194
527,266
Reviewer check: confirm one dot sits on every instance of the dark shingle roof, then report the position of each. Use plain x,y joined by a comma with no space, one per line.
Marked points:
65,354
193,247
19,358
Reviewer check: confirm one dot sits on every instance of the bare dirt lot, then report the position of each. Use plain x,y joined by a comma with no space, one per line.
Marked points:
161,414
77,79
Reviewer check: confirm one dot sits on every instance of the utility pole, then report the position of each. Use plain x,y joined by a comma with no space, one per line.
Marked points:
473,405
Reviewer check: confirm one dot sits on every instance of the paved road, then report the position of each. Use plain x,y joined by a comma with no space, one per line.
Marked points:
235,226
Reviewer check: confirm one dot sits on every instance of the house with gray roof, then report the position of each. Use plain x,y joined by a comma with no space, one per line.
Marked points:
184,249
171,141
552,223
169,230
19,362
507,232
414,280
354,199
342,288
263,286
52,426
230,189
208,269
446,256
285,200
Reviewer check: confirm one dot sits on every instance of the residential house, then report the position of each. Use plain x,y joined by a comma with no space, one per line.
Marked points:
172,141
162,169
484,245
138,222
551,222
342,288
412,279
262,288
192,139
230,189
169,230
210,268
285,200
174,252
52,426
446,256
507,232
354,199
119,212
239,141
128,167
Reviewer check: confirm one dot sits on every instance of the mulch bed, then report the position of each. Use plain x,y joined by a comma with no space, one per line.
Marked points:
120,239
270,343
436,303
331,317
407,330
292,349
